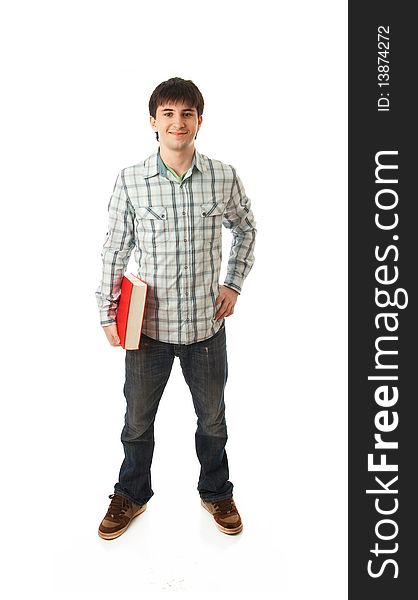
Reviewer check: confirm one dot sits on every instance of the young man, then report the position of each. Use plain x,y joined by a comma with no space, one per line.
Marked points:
171,208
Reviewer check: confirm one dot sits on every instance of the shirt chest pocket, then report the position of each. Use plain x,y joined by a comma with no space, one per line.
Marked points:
210,218
151,224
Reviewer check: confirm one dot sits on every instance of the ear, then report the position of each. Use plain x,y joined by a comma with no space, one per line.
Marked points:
153,122
199,120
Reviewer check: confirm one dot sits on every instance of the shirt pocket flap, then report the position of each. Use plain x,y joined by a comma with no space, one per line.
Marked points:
211,209
152,212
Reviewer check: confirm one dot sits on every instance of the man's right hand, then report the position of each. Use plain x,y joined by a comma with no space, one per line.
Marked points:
112,335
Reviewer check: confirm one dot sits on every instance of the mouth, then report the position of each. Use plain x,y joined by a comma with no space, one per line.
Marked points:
177,134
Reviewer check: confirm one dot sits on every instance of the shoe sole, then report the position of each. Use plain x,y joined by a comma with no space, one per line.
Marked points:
115,534
224,529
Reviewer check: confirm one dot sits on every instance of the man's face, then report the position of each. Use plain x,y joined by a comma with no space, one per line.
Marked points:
177,125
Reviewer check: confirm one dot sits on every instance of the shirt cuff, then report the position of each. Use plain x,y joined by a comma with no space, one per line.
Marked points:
106,318
233,286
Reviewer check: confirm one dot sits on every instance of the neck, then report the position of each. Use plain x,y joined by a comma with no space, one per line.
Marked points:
181,161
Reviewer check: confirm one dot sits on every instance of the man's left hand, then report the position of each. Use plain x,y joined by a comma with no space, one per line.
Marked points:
227,299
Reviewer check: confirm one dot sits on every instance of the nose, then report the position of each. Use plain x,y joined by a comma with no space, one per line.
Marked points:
179,121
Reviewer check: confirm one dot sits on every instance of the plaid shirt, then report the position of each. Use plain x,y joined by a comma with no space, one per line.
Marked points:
176,230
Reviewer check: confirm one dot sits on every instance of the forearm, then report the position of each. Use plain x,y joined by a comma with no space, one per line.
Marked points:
117,248
241,259
107,294
240,220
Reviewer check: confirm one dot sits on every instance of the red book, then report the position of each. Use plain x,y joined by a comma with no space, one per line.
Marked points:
131,309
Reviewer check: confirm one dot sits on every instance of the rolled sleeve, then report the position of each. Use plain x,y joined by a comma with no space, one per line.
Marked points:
117,248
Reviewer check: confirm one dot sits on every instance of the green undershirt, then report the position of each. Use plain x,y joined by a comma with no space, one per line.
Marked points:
178,177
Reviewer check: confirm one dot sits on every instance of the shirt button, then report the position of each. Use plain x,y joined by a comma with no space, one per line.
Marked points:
184,212
203,214
185,239
186,266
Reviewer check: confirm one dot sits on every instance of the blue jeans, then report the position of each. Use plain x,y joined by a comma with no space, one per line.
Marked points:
205,369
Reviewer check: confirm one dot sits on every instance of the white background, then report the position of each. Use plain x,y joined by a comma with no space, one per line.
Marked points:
77,77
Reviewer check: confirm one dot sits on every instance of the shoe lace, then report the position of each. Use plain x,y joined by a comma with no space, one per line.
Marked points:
224,507
118,506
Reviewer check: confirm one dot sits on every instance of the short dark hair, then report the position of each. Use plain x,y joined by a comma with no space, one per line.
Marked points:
176,90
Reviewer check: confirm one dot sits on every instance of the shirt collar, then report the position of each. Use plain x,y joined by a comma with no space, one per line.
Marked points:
154,164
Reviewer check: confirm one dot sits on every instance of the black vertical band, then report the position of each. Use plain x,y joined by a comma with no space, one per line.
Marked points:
383,357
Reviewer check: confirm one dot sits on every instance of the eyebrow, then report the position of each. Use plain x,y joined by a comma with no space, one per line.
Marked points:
184,109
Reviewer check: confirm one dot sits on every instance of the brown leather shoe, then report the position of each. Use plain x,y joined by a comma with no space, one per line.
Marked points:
226,515
119,515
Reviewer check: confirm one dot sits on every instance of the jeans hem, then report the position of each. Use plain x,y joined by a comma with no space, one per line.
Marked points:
120,492
216,499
